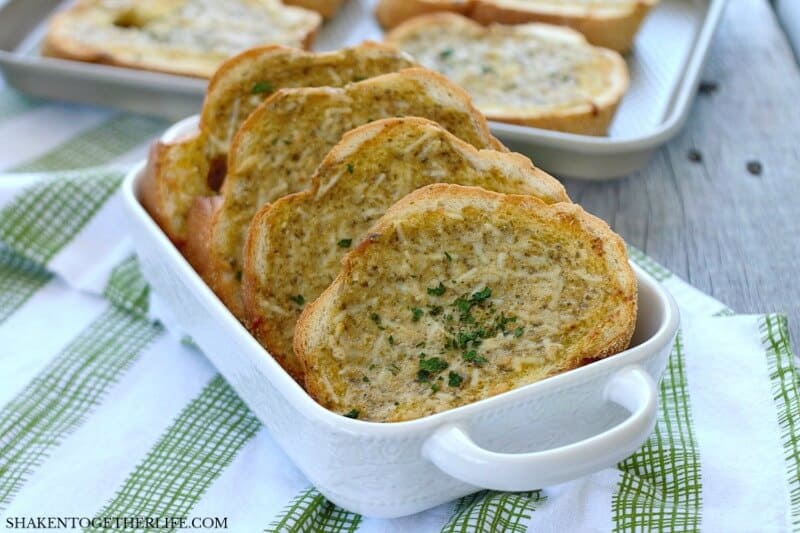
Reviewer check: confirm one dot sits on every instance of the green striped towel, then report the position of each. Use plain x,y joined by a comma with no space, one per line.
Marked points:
104,413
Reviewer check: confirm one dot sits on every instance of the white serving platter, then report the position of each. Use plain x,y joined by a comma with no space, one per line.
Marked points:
665,68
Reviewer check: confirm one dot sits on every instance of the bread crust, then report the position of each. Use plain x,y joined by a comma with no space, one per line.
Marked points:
199,223
610,27
585,118
61,42
313,337
254,180
326,8
391,13
283,229
613,29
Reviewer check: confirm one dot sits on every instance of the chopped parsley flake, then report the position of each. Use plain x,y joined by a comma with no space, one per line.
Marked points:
352,413
447,256
263,87
446,53
417,314
518,332
394,369
391,340
473,357
375,317
350,168
481,295
435,310
299,300
345,243
430,367
437,291
365,379
463,305
359,78
435,388
454,379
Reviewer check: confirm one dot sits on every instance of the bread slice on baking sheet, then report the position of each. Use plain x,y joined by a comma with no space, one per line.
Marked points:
182,170
280,145
531,74
186,37
295,245
608,23
457,294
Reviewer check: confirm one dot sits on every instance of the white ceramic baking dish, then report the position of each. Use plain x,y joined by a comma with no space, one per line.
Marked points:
538,435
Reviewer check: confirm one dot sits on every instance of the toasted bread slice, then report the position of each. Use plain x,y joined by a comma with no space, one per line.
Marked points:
187,37
326,8
295,245
390,13
179,171
457,294
280,145
532,74
608,23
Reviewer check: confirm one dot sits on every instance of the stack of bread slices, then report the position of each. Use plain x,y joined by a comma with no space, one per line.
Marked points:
394,257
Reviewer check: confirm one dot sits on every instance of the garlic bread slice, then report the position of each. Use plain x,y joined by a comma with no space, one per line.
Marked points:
533,74
280,145
295,245
457,294
608,23
185,37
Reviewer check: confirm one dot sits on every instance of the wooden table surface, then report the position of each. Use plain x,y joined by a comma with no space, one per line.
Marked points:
730,231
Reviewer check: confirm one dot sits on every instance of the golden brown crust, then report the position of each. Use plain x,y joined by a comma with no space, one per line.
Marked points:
291,253
326,8
65,39
198,230
586,118
390,13
614,30
149,186
326,355
611,27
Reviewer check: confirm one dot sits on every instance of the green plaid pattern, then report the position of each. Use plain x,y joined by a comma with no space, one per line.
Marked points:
648,265
13,103
127,288
188,457
38,223
60,397
311,512
19,280
660,489
490,511
97,146
783,375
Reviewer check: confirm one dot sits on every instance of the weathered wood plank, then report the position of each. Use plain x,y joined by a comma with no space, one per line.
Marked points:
728,231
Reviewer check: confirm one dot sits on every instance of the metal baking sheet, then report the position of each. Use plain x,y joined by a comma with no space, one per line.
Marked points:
665,66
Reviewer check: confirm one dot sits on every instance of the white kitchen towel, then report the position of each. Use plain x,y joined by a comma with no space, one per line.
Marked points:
105,414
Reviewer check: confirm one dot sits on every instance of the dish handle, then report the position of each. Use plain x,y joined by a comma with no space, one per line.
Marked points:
452,450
